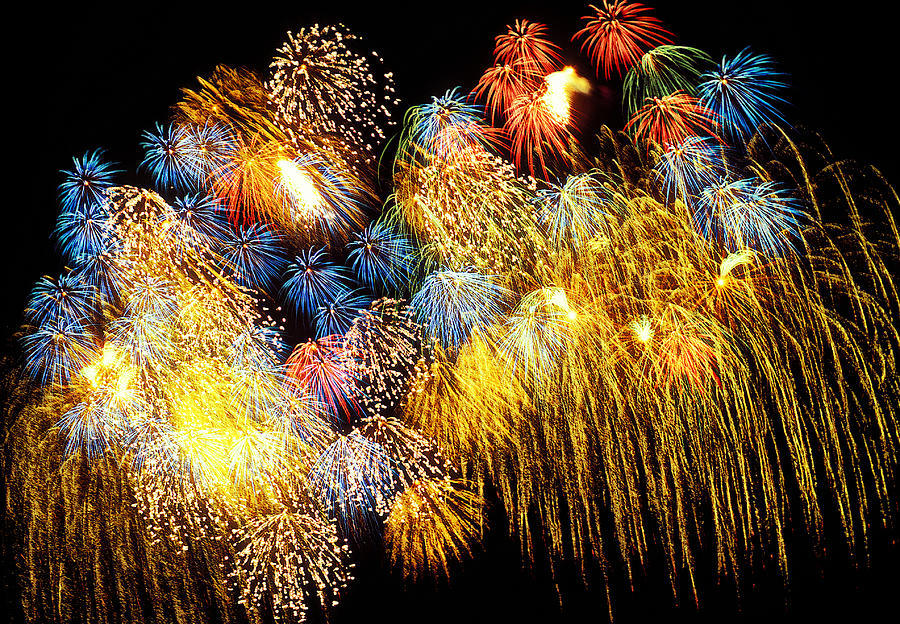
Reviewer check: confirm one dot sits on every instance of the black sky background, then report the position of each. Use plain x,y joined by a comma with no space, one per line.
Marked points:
82,76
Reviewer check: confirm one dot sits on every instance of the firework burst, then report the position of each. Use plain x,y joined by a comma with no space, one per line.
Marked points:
617,35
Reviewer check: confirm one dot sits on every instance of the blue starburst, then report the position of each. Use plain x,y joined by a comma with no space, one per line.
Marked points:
312,281
336,316
253,255
381,257
452,304
168,157
744,93
87,182
58,350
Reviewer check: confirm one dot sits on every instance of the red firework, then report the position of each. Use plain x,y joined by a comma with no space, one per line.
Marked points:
501,84
525,43
619,34
687,355
535,130
320,367
670,120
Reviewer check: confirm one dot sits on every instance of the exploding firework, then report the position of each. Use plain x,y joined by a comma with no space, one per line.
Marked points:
320,86
525,43
743,93
663,71
619,33
433,524
671,120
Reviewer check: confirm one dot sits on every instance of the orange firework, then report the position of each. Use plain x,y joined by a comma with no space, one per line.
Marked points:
244,182
321,368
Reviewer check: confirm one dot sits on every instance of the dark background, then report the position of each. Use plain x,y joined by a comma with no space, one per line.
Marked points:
81,76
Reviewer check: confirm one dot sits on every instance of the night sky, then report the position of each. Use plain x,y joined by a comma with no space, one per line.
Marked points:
79,77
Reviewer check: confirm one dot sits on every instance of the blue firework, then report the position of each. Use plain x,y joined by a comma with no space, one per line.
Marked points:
87,182
576,211
444,128
83,229
354,480
749,213
90,428
744,93
201,219
312,281
209,148
168,157
768,221
253,254
66,298
145,337
381,257
102,269
687,167
452,304
336,316
59,350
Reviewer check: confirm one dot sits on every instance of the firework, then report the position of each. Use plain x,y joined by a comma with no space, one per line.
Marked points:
321,368
102,269
245,182
168,156
319,86
536,333
386,353
671,120
743,93
87,182
663,71
500,85
686,168
619,33
433,524
650,356
575,211
58,350
285,560
453,304
66,298
447,404
200,221
535,129
336,316
315,196
445,130
209,148
82,230
253,254
312,281
381,257
749,213
353,477
525,43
